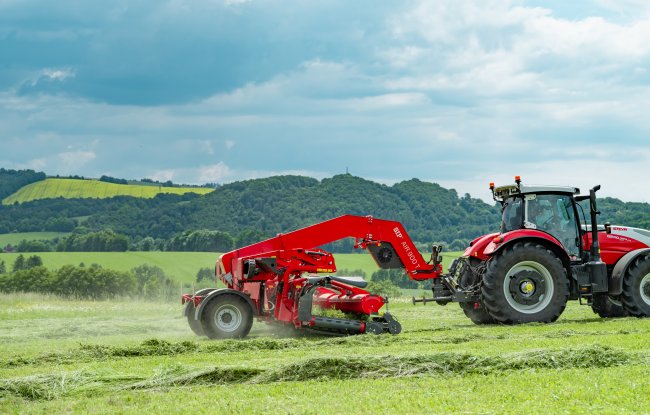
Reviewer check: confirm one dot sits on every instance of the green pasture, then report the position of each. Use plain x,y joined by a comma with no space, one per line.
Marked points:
15,238
134,357
73,188
181,266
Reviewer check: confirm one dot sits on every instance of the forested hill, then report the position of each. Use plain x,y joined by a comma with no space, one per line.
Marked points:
254,209
266,206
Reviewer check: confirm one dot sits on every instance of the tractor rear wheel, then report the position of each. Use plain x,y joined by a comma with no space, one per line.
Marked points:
227,316
605,306
636,288
525,283
477,313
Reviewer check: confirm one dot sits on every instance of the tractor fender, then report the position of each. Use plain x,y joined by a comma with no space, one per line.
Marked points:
221,291
541,238
532,236
621,267
203,291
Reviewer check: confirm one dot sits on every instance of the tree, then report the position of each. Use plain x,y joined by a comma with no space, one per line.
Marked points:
151,281
396,276
19,263
147,244
3,267
249,236
33,261
34,246
384,288
206,274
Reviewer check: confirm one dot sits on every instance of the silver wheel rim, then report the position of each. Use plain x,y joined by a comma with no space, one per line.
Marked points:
227,318
544,299
644,282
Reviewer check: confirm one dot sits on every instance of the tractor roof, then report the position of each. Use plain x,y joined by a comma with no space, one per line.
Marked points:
503,192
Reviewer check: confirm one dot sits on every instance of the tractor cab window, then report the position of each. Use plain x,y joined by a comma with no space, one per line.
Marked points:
513,214
554,214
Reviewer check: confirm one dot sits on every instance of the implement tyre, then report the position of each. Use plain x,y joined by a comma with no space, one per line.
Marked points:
227,316
195,325
636,288
606,307
525,283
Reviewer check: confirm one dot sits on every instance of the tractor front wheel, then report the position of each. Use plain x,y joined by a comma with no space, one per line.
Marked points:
227,316
524,283
477,313
636,288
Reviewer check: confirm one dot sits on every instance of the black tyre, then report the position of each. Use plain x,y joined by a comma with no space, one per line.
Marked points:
195,325
605,306
525,283
478,314
636,288
227,316
190,310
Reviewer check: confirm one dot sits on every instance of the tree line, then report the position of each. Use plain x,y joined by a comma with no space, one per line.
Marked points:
252,210
12,180
81,282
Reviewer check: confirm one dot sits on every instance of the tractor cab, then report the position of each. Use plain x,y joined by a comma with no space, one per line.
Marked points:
550,209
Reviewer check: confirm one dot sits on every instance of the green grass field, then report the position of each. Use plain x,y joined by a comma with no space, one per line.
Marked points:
59,356
72,188
15,238
181,266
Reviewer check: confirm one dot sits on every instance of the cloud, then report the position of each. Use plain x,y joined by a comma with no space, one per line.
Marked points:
71,161
48,81
448,91
163,175
58,74
214,174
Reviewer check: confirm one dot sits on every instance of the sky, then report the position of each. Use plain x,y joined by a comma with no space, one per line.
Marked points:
461,93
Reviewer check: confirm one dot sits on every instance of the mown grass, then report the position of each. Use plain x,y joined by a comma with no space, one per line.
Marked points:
140,357
72,188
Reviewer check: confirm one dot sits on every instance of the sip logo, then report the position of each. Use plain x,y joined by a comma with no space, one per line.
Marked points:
398,233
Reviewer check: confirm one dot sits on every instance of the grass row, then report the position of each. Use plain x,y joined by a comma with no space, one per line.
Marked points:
73,188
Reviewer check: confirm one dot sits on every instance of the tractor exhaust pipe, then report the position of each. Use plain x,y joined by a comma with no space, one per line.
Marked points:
595,245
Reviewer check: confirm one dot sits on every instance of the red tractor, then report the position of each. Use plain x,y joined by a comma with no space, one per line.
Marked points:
542,257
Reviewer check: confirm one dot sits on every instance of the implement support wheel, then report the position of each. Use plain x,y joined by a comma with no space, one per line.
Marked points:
227,316
195,325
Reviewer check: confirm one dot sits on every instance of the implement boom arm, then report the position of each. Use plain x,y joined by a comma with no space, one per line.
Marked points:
387,241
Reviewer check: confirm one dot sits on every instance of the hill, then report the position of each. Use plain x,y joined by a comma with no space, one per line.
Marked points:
74,188
266,207
12,180
253,209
